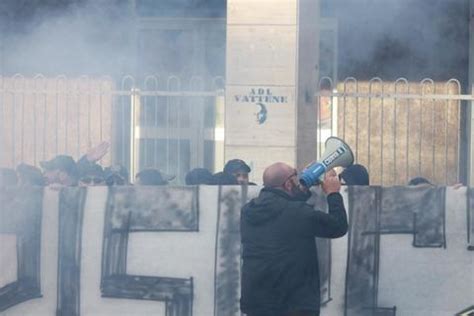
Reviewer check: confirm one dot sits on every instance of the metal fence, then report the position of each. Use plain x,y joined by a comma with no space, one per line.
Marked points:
397,129
170,124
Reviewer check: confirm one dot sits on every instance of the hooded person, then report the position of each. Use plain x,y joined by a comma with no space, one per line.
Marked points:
239,169
355,175
280,274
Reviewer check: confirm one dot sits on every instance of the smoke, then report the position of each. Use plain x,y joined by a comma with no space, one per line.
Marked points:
104,37
402,38
73,38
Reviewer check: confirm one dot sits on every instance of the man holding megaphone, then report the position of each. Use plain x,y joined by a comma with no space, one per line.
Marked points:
280,273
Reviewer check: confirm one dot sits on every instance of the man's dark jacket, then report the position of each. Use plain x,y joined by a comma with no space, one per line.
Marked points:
280,263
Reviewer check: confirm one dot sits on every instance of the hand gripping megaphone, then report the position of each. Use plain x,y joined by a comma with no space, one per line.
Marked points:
337,154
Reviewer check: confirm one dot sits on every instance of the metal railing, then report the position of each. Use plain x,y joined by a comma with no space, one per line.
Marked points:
166,124
397,129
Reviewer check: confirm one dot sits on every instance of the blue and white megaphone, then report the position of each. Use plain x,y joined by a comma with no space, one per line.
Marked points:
337,154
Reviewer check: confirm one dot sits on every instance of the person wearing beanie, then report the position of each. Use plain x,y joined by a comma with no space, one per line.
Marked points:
239,169
355,175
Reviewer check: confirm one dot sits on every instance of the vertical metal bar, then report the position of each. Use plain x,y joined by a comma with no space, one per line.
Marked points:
89,117
381,135
16,92
353,80
371,83
68,95
395,139
423,84
369,125
128,84
357,127
13,126
456,159
178,162
167,152
420,134
143,122
123,136
446,144
433,143
101,136
156,126
35,97
168,123
135,137
22,127
45,124
408,139
331,114
78,123
153,87
320,150
57,116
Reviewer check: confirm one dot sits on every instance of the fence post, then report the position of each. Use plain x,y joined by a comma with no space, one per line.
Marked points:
134,133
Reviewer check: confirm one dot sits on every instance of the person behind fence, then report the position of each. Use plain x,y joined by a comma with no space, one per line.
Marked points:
151,176
239,169
222,178
354,175
420,181
91,174
198,176
116,175
60,171
280,274
29,175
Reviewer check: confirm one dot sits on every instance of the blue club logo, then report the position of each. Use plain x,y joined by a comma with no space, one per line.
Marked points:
262,114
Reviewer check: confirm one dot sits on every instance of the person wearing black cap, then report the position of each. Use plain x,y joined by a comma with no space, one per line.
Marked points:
152,176
239,169
61,170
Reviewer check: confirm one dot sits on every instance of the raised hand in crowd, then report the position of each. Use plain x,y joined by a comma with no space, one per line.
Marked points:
96,153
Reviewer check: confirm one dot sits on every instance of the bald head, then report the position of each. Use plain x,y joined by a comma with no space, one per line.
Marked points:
275,175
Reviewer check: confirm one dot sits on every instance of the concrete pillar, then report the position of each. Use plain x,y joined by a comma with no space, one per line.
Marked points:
271,72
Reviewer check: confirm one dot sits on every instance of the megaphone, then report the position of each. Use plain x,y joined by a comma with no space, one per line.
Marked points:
337,154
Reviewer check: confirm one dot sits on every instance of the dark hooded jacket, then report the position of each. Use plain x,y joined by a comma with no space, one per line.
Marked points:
280,263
